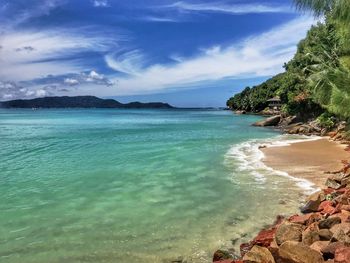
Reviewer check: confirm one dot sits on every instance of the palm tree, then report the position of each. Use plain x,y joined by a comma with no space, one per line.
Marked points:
330,76
339,9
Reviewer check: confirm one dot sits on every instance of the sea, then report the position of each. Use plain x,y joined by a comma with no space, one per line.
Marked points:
148,186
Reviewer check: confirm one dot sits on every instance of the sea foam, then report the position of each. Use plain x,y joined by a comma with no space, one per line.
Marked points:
249,158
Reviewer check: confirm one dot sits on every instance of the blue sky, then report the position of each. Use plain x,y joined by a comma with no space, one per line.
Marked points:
189,53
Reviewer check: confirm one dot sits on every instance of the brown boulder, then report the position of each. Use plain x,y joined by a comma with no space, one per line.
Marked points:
309,237
333,184
319,245
310,234
288,232
271,121
341,126
300,219
325,234
296,252
345,181
258,255
341,232
313,202
329,222
221,255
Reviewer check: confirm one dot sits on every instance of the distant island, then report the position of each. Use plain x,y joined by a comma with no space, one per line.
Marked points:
81,102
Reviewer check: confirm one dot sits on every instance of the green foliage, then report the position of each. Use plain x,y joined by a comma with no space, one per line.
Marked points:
337,8
317,79
325,120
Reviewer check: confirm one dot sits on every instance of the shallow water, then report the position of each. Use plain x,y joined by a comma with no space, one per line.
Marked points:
140,185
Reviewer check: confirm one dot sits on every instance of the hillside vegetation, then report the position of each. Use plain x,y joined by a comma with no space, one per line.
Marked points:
317,79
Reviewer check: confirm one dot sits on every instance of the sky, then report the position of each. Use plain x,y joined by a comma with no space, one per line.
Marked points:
188,53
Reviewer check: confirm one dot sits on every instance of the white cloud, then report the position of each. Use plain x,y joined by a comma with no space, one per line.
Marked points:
260,55
159,19
100,3
221,7
27,55
96,78
11,90
130,62
71,82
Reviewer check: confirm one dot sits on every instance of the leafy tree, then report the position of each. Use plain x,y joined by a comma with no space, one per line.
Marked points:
318,77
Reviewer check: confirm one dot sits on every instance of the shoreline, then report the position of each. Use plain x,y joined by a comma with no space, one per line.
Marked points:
307,160
320,232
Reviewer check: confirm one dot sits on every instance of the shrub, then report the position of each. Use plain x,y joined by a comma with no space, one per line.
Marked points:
325,120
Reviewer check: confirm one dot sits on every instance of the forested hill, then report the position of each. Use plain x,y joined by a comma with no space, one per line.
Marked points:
79,102
317,79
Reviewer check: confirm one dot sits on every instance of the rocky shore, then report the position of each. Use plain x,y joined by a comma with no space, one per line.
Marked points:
293,125
321,232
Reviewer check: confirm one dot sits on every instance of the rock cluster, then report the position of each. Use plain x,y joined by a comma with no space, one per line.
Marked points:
320,234
293,125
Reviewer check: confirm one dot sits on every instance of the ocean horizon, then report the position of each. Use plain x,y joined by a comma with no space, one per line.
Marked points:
101,185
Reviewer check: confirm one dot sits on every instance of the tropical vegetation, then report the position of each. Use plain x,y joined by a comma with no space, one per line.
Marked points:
317,79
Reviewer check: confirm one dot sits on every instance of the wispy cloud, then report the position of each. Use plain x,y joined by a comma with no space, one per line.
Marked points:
27,55
259,55
14,13
130,62
100,3
222,7
159,19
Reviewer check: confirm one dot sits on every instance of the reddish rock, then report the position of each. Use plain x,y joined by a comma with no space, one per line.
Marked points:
328,191
344,215
329,251
314,217
265,237
327,208
324,204
342,255
300,219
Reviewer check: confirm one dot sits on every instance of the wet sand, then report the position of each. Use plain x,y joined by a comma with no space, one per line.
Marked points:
308,160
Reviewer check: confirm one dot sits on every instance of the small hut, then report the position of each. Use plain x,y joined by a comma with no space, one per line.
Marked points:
274,103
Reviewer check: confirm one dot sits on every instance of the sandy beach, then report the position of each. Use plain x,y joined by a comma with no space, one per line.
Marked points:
308,160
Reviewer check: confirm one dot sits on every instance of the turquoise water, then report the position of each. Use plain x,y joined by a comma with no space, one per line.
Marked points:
132,185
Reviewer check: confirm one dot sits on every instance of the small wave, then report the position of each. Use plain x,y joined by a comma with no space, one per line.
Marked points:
248,158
